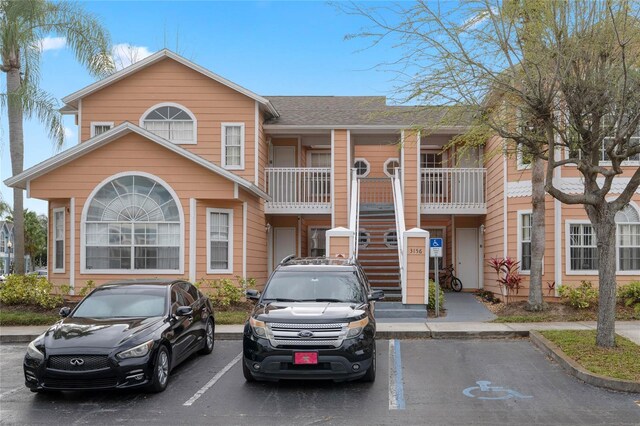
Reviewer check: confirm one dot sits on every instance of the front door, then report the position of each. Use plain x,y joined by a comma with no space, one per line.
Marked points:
284,243
467,252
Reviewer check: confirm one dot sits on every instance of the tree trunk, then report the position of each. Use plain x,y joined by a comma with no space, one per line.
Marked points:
604,226
16,147
536,302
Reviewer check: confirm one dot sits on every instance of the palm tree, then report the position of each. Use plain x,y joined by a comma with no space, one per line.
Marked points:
23,26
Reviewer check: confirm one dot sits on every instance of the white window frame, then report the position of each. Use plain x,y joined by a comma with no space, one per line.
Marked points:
223,146
64,231
310,237
567,244
386,236
310,153
366,234
364,160
182,107
618,259
94,124
521,213
519,164
386,163
229,269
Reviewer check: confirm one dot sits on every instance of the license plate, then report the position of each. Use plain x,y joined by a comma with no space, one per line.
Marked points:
305,358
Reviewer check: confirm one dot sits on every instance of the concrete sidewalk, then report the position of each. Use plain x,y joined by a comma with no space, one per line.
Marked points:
398,330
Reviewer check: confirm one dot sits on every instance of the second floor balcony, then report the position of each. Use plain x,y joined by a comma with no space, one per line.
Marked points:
453,191
298,190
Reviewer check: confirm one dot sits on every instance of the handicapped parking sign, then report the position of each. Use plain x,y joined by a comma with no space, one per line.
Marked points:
484,391
435,247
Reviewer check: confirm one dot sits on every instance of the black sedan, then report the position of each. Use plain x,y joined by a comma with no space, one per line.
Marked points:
122,335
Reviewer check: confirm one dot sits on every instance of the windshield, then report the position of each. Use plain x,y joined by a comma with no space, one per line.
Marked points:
124,302
314,286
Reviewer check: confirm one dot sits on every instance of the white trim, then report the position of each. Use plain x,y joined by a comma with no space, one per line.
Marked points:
19,181
299,237
83,220
72,243
505,198
519,164
520,213
333,180
64,240
454,130
156,57
364,160
389,160
193,223
256,148
348,173
223,146
229,269
28,189
634,206
419,183
79,121
235,191
454,255
245,240
175,105
567,247
93,125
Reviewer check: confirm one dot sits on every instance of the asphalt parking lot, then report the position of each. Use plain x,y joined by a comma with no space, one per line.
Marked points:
429,381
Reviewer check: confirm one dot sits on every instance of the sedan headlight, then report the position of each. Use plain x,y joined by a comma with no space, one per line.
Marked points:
356,327
137,351
34,352
259,327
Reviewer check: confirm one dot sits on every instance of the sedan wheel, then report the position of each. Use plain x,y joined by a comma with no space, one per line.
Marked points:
209,338
161,371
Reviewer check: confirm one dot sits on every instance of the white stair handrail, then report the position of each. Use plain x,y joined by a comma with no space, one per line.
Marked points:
354,211
398,206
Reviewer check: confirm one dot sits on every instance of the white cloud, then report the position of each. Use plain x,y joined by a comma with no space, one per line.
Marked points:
69,134
52,43
125,54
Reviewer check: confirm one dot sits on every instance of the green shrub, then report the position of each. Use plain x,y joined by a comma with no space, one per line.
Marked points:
89,285
225,292
29,290
580,297
629,295
432,296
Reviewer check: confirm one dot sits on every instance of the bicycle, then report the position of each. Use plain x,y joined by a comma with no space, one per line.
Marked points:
449,280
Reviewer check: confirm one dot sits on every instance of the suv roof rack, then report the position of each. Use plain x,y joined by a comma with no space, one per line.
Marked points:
304,261
287,259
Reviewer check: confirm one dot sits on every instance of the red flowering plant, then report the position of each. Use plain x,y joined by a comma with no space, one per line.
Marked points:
509,278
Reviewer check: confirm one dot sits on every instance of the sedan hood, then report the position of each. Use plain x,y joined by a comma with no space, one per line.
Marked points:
97,333
309,312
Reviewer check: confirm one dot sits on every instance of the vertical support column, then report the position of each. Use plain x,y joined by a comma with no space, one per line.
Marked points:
415,288
340,242
72,245
411,181
340,178
193,220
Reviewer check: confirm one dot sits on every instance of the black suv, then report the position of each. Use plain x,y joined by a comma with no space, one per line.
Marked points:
314,320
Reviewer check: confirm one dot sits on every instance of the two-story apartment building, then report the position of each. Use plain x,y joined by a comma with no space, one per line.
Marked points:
181,172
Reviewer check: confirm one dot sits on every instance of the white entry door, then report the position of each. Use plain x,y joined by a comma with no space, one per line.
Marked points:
467,252
284,243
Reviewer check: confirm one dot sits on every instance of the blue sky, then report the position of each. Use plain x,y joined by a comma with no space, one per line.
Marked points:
269,47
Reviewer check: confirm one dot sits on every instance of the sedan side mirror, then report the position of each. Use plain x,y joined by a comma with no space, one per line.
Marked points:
376,295
184,311
65,311
252,294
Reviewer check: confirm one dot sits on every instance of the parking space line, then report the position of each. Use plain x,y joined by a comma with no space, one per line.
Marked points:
213,381
396,382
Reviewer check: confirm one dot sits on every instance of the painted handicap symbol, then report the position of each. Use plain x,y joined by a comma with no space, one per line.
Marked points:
499,391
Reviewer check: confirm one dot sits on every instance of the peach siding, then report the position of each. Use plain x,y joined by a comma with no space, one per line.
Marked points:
256,239
340,179
80,177
212,103
411,178
376,155
339,246
415,271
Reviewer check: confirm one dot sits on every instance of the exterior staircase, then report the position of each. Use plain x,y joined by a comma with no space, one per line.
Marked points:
377,252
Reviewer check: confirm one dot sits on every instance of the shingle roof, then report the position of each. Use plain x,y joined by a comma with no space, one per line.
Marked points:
361,110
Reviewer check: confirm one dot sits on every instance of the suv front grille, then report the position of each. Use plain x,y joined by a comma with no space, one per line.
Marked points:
282,334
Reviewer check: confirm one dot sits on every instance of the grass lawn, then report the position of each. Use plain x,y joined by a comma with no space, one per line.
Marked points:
231,317
27,318
620,362
516,312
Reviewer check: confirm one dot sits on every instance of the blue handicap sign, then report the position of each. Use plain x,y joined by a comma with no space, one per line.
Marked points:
435,242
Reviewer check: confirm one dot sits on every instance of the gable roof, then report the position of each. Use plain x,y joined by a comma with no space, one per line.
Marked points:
369,111
71,101
21,180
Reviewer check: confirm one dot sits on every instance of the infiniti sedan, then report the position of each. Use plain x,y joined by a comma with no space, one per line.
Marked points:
124,334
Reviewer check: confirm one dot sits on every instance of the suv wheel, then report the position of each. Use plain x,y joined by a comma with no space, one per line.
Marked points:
248,376
370,375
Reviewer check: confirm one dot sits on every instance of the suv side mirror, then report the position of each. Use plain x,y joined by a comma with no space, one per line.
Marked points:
376,295
252,294
184,311
65,311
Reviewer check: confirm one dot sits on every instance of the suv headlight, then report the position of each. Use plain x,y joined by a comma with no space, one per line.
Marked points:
356,327
34,352
136,351
259,327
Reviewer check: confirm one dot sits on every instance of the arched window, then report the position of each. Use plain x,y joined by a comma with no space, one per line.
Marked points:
132,223
172,122
628,221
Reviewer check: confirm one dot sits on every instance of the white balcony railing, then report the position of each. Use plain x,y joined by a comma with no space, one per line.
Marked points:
298,189
453,190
